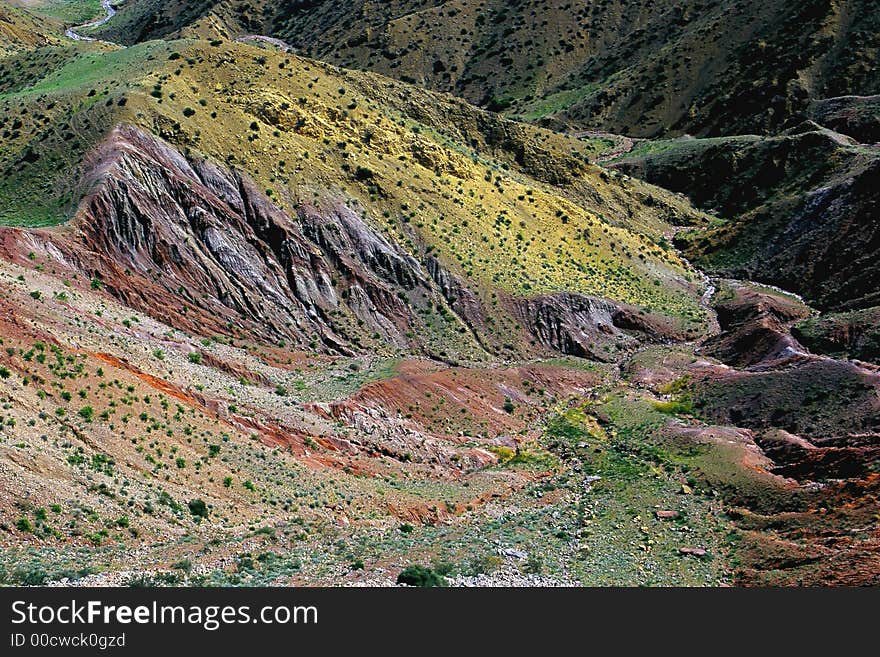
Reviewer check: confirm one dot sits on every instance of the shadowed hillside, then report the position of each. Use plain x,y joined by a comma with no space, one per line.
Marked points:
704,67
797,210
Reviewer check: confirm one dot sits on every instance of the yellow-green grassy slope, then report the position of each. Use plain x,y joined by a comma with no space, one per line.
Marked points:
20,30
507,206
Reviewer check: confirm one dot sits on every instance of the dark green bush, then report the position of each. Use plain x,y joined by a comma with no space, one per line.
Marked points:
422,576
198,508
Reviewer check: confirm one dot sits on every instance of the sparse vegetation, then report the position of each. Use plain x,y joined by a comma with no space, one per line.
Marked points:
325,324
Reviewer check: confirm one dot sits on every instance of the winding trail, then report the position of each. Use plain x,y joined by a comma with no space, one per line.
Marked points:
71,32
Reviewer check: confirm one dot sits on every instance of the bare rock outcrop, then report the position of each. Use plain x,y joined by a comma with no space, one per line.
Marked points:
197,245
587,327
157,226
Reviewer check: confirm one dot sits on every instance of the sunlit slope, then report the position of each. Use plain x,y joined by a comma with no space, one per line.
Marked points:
508,206
20,30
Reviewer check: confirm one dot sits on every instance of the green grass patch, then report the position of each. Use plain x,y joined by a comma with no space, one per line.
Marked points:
69,12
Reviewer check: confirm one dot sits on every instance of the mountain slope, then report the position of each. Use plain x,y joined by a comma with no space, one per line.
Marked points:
625,67
270,322
798,210
430,189
20,30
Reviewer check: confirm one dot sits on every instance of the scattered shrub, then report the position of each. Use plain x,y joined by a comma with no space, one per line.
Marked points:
421,576
184,564
198,508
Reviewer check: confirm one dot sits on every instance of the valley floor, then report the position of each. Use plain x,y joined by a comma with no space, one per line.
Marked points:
560,472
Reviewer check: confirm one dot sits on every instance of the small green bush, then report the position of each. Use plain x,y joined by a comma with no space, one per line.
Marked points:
421,576
30,576
198,508
482,564
184,564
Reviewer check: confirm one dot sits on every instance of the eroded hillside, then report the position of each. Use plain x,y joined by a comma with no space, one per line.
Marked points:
269,321
450,208
798,210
